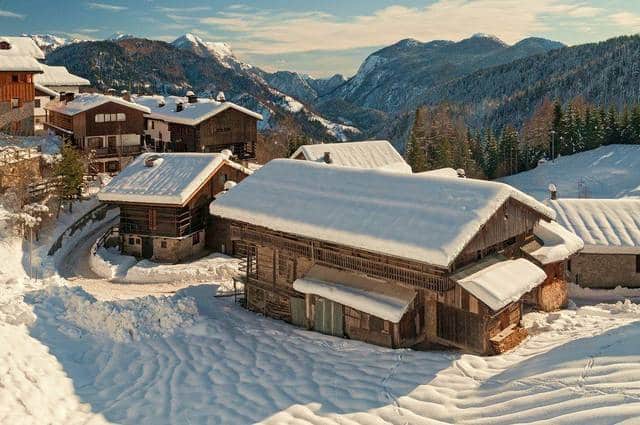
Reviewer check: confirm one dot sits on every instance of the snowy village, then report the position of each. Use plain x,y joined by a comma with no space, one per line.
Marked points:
450,235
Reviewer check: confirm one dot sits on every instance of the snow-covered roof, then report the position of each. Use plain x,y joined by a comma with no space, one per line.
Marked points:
45,90
423,218
59,76
558,244
172,180
84,101
441,172
366,154
19,63
192,113
502,282
21,46
605,225
371,296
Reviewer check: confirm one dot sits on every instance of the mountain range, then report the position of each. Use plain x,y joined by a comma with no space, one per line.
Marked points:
495,82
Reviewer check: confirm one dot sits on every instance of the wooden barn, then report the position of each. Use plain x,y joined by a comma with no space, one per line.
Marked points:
107,129
611,233
378,154
192,124
18,66
399,260
163,200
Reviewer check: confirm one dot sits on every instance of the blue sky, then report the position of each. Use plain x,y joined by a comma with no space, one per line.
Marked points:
321,37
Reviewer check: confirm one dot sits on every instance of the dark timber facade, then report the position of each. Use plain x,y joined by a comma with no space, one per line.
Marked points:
441,313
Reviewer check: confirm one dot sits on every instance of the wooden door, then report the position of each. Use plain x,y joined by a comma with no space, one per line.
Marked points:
147,247
298,311
329,318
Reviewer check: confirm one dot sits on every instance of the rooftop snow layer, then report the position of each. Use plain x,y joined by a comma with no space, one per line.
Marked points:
85,101
558,243
423,218
59,76
605,225
172,180
503,282
45,90
375,297
15,63
192,113
366,154
21,46
441,172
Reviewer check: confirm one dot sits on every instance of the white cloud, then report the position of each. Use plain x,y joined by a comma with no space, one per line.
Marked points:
626,19
261,32
106,6
183,9
8,14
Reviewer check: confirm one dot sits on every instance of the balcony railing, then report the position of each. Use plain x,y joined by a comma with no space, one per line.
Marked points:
117,151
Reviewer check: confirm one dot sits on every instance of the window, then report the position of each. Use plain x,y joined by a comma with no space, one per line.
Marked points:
14,78
153,219
113,117
94,142
132,241
637,263
163,244
99,118
122,117
36,103
376,324
196,238
138,241
4,45
15,102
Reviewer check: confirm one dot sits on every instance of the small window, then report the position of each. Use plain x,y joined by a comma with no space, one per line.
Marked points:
36,103
163,244
15,78
196,238
132,241
637,263
114,117
122,117
99,118
15,102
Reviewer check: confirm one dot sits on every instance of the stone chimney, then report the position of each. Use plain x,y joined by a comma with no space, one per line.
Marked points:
221,97
179,107
327,158
191,97
553,192
125,95
151,160
461,173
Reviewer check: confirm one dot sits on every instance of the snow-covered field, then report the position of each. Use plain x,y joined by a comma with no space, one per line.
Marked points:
607,172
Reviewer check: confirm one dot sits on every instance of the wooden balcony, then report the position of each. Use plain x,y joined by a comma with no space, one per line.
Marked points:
117,151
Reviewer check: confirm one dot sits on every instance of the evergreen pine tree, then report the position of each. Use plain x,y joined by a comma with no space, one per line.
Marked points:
491,155
70,170
415,151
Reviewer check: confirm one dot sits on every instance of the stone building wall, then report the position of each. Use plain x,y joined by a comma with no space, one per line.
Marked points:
605,270
17,121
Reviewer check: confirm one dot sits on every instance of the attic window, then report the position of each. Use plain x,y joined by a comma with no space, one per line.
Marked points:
4,45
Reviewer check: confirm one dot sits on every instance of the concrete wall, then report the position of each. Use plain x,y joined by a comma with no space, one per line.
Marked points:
605,270
173,251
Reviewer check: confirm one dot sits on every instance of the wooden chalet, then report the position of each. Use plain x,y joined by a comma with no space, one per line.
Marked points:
107,129
190,124
163,200
399,260
18,65
378,154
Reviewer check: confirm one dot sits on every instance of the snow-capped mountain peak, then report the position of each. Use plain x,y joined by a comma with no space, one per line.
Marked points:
120,36
216,49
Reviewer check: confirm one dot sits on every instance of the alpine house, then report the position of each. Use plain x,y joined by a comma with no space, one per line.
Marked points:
395,259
